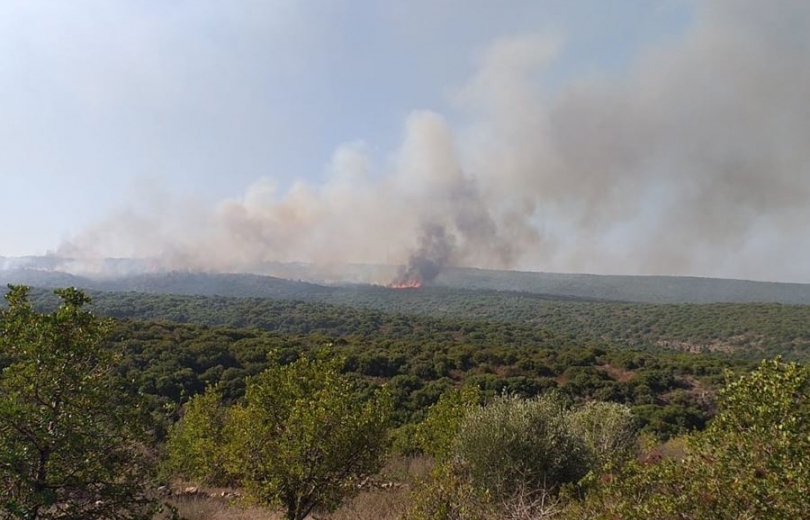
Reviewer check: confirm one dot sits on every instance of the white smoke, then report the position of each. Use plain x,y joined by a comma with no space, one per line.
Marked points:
695,161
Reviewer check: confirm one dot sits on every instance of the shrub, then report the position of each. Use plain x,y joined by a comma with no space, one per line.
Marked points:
437,433
196,443
608,431
515,443
751,462
448,494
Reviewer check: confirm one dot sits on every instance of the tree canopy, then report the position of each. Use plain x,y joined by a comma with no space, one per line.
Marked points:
751,462
303,438
70,438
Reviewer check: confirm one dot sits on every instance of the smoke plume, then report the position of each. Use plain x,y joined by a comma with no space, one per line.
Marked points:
425,264
694,161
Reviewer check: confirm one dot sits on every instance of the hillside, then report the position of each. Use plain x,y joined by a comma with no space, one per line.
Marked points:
302,281
749,331
209,284
641,289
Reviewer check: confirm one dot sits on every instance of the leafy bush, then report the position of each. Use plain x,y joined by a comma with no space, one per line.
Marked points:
753,461
196,443
608,431
436,435
448,494
513,443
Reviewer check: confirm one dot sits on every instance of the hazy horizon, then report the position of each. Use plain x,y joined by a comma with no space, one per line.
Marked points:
362,273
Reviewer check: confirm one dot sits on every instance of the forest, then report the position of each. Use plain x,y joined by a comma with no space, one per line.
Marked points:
423,370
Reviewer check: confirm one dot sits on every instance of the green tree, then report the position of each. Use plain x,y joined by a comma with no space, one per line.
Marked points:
751,462
436,435
70,440
303,439
514,444
608,431
196,444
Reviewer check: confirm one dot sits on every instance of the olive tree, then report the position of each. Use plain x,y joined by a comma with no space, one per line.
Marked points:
514,443
70,439
608,431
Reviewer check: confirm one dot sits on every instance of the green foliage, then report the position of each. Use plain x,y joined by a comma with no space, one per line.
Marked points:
428,341
752,461
608,431
749,330
70,439
513,443
170,362
664,362
448,494
196,443
516,454
404,441
303,439
436,435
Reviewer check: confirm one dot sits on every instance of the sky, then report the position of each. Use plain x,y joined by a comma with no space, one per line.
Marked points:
622,137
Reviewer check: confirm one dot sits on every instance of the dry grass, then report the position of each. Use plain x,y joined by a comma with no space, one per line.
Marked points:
206,508
539,505
378,504
375,503
673,449
617,373
406,469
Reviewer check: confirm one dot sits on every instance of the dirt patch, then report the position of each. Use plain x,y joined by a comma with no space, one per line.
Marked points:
622,375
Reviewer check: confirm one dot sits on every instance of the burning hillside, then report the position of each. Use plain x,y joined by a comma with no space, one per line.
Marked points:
415,283
425,264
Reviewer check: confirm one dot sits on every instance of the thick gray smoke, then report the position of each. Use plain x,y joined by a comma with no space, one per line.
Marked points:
434,252
696,161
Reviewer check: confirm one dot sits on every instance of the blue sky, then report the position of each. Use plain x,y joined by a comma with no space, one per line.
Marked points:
127,127
205,97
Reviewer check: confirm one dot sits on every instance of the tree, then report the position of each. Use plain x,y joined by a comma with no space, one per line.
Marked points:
751,462
69,437
608,430
196,443
437,433
513,443
303,439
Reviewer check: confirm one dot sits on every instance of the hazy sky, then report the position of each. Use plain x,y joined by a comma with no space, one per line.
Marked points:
135,127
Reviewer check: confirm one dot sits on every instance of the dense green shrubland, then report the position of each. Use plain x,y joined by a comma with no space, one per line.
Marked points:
669,392
518,417
753,461
749,330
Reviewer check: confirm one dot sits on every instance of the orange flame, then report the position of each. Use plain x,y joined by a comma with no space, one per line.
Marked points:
413,283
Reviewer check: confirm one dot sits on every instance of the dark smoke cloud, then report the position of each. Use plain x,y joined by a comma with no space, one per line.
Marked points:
694,161
434,252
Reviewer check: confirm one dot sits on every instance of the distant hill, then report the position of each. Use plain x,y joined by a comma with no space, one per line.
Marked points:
42,278
639,289
206,284
745,327
635,289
